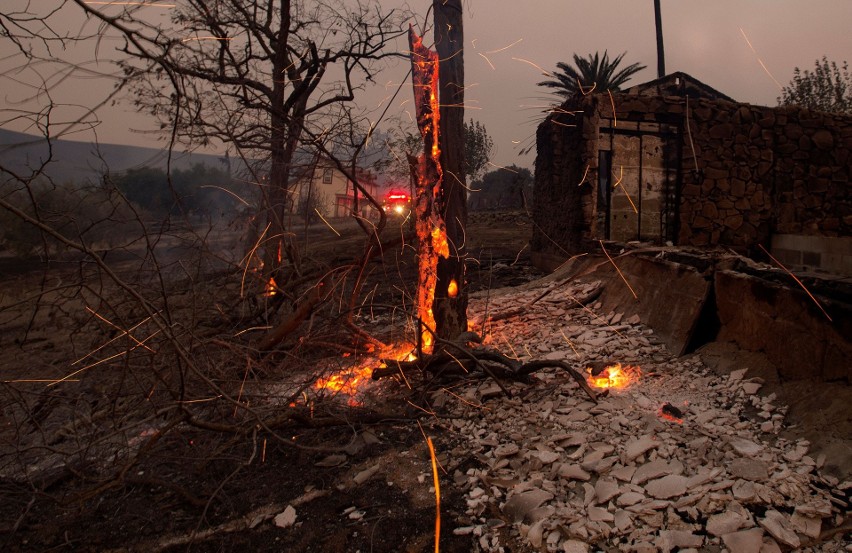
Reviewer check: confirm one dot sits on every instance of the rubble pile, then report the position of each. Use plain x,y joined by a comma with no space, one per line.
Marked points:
679,460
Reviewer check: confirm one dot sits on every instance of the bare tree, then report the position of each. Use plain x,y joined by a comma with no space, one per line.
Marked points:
268,77
133,342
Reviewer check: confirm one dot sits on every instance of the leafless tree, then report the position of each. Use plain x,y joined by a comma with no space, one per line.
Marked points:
142,346
268,77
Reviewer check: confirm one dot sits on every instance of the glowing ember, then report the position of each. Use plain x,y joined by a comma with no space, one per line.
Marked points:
615,376
271,288
345,381
671,413
453,289
352,381
431,231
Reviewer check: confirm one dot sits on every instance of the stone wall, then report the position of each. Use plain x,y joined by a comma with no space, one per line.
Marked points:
746,172
558,201
764,171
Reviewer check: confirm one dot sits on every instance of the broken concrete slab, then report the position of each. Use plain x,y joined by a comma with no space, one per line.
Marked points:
785,323
521,504
669,296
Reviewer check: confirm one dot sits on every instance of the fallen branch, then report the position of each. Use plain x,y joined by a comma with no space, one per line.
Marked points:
246,522
532,366
313,298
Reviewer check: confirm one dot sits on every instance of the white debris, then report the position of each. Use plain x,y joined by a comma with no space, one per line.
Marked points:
568,474
746,541
727,522
667,486
365,475
286,518
780,528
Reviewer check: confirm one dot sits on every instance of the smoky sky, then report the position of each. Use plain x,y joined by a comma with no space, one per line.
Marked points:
746,49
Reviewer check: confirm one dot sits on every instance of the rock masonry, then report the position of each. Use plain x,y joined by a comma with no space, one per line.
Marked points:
747,172
559,473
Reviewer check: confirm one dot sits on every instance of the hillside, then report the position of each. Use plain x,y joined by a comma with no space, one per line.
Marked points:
77,160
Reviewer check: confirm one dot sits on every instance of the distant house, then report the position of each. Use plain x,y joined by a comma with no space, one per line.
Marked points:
675,161
326,189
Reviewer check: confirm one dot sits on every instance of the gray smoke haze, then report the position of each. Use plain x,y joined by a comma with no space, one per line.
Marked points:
509,43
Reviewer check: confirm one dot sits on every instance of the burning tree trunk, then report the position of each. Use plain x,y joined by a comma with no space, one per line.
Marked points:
440,199
431,231
450,303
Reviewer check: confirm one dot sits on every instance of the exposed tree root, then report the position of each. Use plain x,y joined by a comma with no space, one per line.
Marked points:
454,360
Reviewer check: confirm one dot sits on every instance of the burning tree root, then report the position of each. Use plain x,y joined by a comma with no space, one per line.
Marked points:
463,362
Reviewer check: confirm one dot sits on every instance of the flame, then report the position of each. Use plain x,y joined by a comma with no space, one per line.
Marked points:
271,288
453,289
614,376
345,381
431,231
351,381
439,241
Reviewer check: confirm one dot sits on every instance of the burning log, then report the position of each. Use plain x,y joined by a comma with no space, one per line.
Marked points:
440,215
440,191
451,299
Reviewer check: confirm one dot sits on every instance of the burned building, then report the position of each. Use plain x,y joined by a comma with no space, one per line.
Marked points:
675,161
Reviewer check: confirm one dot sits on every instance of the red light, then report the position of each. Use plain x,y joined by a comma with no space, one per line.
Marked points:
397,196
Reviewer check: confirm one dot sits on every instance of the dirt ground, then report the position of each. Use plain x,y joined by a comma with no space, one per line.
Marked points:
358,477
198,489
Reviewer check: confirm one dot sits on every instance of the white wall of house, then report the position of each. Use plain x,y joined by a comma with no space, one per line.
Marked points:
334,191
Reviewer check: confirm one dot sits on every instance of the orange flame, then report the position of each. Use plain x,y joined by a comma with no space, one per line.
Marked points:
271,288
453,289
345,381
351,381
614,376
439,241
431,232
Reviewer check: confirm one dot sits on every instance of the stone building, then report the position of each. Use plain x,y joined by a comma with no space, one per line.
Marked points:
675,161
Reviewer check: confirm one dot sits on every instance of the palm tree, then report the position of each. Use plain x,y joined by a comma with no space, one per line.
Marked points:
593,74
